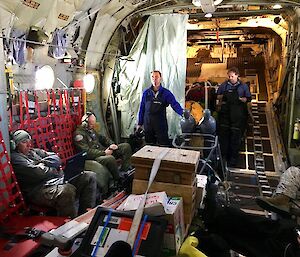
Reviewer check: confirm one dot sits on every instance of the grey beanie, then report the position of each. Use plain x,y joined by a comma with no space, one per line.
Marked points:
20,135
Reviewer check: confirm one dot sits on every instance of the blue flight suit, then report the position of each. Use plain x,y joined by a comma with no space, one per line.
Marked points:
152,114
232,118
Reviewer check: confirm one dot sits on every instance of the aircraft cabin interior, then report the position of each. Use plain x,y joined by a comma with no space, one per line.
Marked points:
76,79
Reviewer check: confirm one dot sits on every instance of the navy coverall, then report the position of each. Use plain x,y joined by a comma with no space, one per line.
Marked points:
232,118
152,114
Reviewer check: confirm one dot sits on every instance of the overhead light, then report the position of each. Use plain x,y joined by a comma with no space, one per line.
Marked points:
208,15
124,58
196,3
242,38
217,2
208,6
277,6
89,83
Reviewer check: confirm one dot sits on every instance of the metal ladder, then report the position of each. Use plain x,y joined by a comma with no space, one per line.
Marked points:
259,161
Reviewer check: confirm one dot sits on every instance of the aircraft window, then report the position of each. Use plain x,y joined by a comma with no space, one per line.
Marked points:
89,83
44,78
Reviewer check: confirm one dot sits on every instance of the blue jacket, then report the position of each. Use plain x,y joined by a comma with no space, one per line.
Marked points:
242,89
165,96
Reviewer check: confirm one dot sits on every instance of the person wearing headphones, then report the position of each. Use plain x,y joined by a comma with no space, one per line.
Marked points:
41,179
101,148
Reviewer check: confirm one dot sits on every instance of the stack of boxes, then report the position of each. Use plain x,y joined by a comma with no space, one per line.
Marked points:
176,175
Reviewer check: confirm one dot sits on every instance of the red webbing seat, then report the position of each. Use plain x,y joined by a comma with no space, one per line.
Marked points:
11,199
52,131
13,210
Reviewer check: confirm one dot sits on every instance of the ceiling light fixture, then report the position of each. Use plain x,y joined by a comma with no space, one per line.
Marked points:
208,15
197,3
207,6
277,6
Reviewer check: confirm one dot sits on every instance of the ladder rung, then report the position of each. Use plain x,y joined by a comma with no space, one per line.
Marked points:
262,176
259,163
263,181
267,193
258,158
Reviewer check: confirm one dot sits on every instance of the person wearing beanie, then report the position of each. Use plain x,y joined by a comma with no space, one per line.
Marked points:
41,179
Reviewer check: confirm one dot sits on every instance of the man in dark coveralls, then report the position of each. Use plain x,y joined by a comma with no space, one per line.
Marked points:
152,113
233,96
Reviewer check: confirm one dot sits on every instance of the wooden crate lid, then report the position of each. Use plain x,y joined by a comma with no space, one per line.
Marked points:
178,159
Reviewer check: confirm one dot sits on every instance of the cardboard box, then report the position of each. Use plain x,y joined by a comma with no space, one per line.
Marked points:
156,203
200,190
188,193
175,232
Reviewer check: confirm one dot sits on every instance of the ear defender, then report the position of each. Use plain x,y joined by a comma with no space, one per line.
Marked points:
85,118
12,145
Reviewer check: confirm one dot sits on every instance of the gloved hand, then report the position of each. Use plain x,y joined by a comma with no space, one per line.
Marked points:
186,114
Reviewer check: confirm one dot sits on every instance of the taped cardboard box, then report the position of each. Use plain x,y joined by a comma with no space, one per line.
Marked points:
200,190
156,203
175,232
188,193
172,209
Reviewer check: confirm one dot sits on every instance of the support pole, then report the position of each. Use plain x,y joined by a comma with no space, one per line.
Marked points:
291,124
3,101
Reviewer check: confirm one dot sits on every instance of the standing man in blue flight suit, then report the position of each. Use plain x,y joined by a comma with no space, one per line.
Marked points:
152,113
233,96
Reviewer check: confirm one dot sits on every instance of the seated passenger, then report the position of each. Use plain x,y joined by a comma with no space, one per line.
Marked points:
100,148
286,191
42,183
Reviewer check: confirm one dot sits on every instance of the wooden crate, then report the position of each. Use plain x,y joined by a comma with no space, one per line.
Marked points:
188,194
169,176
178,166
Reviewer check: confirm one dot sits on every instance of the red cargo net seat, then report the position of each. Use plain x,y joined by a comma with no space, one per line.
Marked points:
13,211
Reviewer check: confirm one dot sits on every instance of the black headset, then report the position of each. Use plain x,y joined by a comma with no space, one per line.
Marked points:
85,118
